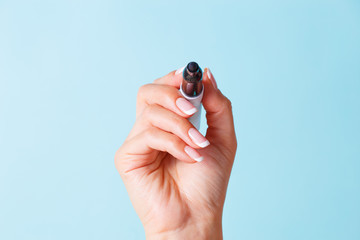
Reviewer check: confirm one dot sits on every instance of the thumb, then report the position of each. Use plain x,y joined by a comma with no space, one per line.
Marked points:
218,113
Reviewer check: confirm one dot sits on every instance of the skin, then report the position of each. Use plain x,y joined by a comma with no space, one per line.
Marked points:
175,196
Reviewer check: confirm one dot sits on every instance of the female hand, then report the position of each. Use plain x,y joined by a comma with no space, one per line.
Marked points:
175,195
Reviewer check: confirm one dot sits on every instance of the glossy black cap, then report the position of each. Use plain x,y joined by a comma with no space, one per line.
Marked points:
192,76
192,67
192,72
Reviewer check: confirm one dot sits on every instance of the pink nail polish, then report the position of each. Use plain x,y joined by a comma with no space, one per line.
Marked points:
185,106
193,154
212,79
198,139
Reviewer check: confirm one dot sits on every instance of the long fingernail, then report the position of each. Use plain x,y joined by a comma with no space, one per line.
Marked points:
180,70
212,79
185,106
193,154
199,139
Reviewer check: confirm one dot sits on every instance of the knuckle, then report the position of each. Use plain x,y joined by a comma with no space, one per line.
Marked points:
227,105
167,94
170,96
150,133
175,142
228,102
179,123
149,110
142,90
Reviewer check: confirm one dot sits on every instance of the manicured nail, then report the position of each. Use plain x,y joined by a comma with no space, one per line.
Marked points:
180,70
193,154
212,79
185,106
199,139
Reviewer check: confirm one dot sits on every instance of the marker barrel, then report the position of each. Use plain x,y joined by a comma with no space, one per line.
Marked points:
196,101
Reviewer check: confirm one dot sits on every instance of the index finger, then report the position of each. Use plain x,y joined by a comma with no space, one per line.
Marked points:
173,78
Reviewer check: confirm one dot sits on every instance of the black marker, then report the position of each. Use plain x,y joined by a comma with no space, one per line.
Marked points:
192,89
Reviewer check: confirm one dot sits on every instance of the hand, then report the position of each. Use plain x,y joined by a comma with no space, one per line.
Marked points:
175,196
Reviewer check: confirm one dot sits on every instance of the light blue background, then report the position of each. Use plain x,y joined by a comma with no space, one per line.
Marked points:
69,74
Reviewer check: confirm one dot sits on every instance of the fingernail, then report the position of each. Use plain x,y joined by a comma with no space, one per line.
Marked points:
193,154
212,79
180,70
185,106
199,139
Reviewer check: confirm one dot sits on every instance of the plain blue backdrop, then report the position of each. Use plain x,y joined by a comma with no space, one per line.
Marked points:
69,74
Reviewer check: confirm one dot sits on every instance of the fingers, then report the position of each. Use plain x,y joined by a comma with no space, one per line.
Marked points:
165,96
218,111
218,107
173,78
154,139
168,121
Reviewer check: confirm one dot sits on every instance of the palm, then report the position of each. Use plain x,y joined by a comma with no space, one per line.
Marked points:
172,191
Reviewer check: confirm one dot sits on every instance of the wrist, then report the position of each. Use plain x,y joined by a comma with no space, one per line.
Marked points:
205,230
